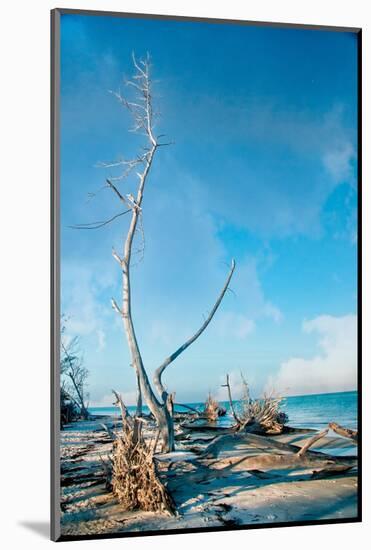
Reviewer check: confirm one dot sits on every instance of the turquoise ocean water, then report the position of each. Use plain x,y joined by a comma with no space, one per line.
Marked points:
305,411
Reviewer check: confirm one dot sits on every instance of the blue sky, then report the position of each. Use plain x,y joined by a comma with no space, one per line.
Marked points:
262,169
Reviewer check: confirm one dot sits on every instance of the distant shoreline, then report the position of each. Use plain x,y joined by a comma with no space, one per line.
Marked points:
237,400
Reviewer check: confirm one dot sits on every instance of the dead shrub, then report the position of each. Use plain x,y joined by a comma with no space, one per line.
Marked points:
135,481
264,411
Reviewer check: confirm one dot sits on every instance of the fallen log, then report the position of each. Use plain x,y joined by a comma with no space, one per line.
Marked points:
344,432
290,462
236,438
208,428
336,470
299,459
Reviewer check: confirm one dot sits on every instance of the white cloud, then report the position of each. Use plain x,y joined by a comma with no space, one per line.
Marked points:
333,369
87,314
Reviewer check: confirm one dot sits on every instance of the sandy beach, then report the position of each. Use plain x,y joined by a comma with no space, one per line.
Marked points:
205,495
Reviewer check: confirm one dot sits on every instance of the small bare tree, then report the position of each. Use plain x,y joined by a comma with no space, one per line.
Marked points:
140,107
74,375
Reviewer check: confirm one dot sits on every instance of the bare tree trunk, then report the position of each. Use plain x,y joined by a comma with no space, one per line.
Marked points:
139,410
79,390
84,412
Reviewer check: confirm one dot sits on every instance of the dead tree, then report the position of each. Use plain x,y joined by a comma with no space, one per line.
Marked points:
75,374
140,108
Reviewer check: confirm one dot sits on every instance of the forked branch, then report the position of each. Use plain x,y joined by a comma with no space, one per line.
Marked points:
157,379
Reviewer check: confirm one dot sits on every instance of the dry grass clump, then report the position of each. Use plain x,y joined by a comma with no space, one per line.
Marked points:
135,481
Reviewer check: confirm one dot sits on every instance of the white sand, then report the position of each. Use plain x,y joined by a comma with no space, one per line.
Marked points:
202,500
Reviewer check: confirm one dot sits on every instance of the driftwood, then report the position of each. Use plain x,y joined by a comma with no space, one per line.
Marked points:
224,441
253,428
336,470
290,461
208,428
111,433
264,414
344,432
288,456
220,443
311,441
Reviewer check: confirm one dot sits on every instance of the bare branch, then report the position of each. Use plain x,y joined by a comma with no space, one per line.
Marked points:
98,225
116,307
122,162
125,415
117,258
159,371
228,386
115,190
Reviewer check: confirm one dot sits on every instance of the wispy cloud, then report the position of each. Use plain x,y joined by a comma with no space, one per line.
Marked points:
87,313
286,162
339,162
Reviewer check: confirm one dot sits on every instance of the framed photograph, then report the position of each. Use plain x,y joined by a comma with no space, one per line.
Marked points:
206,301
